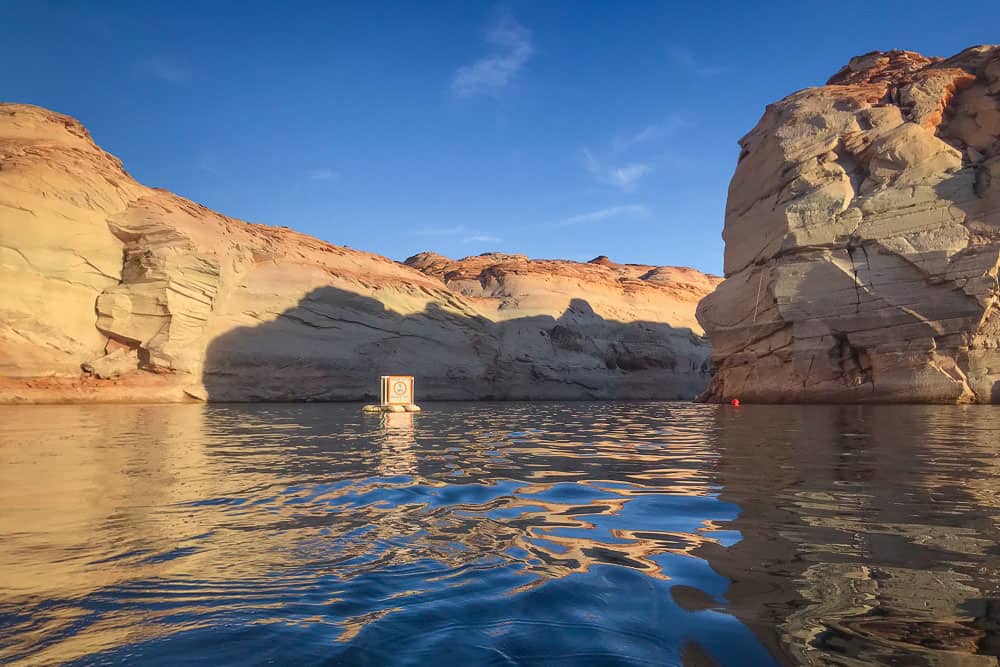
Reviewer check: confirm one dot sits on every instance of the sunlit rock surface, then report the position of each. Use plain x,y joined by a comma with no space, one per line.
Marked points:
863,237
114,291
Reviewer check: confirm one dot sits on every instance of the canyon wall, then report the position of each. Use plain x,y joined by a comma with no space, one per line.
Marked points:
114,291
602,329
862,239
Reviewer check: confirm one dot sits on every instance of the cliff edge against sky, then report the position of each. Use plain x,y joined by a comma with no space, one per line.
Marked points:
863,239
111,290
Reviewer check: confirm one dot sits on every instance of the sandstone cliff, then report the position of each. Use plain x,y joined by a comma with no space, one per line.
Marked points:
607,329
110,290
863,239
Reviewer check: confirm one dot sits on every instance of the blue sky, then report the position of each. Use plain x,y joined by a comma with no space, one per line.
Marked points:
554,129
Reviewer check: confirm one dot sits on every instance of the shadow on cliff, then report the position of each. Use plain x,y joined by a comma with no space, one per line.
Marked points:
975,191
334,344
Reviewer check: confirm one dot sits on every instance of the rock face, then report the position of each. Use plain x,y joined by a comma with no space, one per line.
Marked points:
110,290
598,329
863,237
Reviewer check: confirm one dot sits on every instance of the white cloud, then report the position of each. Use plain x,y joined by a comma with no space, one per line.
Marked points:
685,58
626,211
486,76
468,235
323,174
624,177
164,70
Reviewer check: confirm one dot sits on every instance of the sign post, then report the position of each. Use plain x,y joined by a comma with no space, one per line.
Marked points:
397,389
396,395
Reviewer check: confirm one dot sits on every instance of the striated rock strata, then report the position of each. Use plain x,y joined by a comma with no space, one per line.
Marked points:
608,329
863,239
110,290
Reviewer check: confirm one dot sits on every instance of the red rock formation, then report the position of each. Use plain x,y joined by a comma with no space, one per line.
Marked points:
880,67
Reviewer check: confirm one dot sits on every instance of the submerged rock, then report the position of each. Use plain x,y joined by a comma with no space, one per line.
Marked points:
863,239
111,290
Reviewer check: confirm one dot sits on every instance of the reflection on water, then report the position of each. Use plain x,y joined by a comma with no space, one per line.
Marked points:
870,534
554,533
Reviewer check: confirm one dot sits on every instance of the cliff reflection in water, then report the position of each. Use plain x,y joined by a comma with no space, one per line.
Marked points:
869,533
474,533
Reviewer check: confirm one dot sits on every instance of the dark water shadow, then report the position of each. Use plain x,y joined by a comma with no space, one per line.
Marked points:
334,344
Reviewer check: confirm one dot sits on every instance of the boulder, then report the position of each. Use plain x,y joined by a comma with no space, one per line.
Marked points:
115,364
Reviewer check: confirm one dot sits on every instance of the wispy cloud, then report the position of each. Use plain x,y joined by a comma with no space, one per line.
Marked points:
468,235
488,75
323,174
624,176
481,238
649,134
684,57
626,211
164,69
208,164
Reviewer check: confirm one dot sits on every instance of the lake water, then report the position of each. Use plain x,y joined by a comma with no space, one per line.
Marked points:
496,534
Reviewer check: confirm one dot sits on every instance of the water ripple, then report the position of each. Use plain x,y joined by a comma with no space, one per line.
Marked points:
639,533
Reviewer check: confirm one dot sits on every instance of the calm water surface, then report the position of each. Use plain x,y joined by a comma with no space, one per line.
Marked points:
495,534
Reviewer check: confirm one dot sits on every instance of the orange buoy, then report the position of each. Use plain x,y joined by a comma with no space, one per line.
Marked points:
735,402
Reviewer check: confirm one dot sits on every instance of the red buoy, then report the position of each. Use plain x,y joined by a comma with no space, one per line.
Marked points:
735,402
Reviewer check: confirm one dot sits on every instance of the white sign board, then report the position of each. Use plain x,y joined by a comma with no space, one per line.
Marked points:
397,389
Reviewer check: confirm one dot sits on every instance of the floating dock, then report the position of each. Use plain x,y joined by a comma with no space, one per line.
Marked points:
394,407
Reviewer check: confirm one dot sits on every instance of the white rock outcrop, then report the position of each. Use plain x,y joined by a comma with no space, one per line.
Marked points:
863,239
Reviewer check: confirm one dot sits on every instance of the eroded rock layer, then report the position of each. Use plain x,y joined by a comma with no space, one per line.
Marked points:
110,290
608,329
863,239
